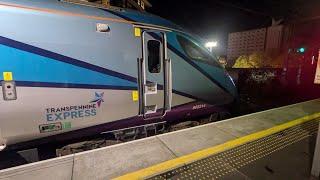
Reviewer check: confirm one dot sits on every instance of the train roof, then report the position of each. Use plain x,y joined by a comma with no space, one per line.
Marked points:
115,13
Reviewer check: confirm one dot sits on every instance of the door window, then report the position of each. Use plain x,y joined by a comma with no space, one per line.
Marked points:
154,56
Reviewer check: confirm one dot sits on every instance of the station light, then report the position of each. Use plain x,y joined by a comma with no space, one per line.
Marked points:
211,44
2,147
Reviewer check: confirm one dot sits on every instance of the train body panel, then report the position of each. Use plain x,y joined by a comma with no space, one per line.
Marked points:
70,76
51,105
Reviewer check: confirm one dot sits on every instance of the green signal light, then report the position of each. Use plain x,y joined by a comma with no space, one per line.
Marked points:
301,50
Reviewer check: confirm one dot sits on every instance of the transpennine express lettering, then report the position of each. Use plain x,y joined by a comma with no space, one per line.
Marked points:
71,112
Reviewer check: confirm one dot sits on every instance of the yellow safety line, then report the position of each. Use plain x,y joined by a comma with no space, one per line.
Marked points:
180,161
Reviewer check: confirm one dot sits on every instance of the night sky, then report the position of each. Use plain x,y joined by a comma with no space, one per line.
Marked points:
215,19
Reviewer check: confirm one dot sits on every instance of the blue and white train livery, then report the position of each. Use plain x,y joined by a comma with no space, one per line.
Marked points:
70,70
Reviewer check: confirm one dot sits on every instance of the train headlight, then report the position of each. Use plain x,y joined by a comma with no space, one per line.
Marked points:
2,146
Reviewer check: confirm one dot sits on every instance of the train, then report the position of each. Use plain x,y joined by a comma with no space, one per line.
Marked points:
71,70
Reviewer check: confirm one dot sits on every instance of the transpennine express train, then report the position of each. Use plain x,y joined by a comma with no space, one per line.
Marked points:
69,70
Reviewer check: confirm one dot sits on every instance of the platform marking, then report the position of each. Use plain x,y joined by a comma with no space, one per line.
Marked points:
183,160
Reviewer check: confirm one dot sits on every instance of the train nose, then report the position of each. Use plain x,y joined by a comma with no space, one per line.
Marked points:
226,81
231,86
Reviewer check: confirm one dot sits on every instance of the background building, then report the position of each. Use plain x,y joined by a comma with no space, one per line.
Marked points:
245,43
267,41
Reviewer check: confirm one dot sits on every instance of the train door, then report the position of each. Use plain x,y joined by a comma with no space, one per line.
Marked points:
154,74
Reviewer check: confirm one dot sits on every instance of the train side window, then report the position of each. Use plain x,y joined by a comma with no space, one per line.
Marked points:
154,56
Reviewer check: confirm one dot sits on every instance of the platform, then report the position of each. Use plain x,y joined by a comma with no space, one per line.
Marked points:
273,144
282,155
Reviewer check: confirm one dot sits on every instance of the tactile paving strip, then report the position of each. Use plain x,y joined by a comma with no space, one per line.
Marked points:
221,164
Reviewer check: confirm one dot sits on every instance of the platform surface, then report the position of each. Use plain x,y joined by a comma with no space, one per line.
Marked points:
284,155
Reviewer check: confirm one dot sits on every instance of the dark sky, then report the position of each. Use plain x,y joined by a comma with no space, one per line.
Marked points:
215,19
